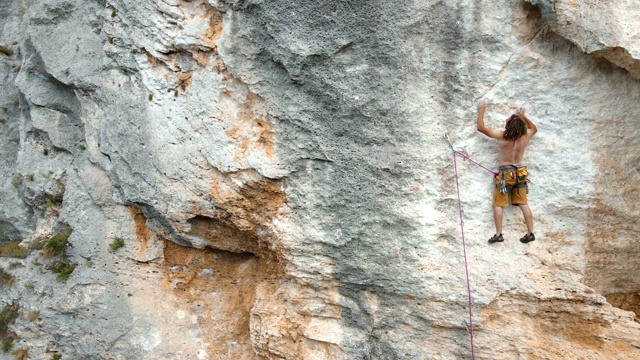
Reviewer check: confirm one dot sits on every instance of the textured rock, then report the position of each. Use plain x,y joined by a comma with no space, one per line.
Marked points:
609,30
278,175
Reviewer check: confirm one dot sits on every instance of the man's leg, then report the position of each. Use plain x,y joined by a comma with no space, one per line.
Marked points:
497,219
499,200
528,217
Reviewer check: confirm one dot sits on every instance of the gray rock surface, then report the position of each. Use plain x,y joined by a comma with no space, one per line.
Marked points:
607,30
278,175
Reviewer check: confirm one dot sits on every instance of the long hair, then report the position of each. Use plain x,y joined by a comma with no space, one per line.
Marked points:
515,128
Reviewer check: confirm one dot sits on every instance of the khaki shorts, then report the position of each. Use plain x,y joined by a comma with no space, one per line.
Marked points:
515,180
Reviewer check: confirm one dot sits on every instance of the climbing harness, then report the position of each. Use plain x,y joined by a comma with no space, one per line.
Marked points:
464,246
517,173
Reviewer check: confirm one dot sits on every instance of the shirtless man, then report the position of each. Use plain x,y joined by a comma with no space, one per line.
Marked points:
511,180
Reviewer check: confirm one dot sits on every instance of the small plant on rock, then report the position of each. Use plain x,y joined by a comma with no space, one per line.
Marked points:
33,315
8,315
6,278
21,354
57,244
5,50
56,357
16,181
59,195
117,243
62,268
7,344
13,250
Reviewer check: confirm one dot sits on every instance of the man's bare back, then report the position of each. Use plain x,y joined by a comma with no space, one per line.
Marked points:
511,152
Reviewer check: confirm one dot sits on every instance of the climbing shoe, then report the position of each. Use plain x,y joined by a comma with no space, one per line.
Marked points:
527,238
496,238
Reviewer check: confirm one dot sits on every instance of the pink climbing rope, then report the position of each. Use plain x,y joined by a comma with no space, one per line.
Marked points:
464,245
475,162
464,250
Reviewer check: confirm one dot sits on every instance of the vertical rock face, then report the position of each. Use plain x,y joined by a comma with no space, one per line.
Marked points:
278,174
609,32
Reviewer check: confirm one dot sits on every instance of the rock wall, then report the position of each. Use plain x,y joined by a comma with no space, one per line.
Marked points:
279,179
609,31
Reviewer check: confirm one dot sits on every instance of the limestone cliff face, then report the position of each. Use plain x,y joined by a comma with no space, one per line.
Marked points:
278,175
609,31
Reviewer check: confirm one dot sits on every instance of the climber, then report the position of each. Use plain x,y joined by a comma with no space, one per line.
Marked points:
511,179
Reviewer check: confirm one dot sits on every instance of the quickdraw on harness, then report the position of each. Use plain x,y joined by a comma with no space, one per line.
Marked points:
464,246
519,173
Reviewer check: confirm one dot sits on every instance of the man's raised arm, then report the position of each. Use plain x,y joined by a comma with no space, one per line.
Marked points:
531,127
492,133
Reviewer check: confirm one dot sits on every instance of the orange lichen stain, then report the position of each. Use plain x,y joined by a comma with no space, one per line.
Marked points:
153,61
408,297
143,233
554,328
251,130
611,253
202,57
214,191
578,330
629,300
221,191
220,67
233,133
214,32
247,204
168,66
218,289
261,198
265,136
184,81
243,146
239,134
292,309
622,347
162,65
558,238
